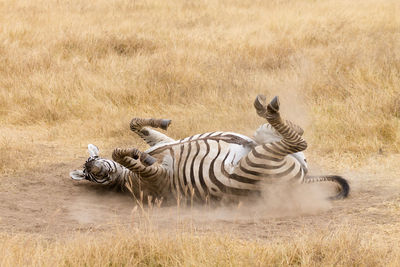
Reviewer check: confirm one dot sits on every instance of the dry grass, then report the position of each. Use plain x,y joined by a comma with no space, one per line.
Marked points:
75,72
80,70
138,248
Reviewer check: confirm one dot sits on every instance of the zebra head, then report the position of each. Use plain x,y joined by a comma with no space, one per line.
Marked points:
267,134
96,169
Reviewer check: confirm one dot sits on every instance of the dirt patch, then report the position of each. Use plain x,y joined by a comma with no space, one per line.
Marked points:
50,203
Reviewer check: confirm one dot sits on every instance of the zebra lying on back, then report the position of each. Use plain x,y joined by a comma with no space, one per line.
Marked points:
210,165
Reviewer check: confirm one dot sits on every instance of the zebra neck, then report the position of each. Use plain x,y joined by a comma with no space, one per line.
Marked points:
140,188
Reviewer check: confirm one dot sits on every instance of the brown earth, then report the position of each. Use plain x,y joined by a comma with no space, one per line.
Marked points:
48,202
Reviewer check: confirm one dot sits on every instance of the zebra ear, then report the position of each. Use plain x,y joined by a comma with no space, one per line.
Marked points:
93,150
77,175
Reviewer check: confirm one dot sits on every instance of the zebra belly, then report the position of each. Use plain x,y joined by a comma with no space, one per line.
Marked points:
288,170
201,165
210,165
270,171
198,169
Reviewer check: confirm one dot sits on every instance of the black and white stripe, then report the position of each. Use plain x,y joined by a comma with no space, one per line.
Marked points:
109,173
218,164
211,165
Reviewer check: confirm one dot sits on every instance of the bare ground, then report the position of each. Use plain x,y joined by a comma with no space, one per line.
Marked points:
49,203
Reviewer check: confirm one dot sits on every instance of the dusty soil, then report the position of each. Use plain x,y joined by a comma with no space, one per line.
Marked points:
48,202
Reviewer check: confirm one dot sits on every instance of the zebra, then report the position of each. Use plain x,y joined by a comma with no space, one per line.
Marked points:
217,165
110,173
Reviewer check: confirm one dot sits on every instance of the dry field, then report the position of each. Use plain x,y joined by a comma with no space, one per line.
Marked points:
75,72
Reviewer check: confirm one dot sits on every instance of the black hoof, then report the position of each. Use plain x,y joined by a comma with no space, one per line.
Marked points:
148,160
259,103
274,104
164,124
135,154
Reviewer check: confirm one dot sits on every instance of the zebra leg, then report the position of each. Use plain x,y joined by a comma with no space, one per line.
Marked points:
295,127
267,134
155,175
292,141
122,157
269,161
150,136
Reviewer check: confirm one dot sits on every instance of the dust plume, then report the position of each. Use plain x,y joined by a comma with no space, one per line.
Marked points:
277,201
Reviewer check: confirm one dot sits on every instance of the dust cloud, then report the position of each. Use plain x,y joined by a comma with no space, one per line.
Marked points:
277,201
280,200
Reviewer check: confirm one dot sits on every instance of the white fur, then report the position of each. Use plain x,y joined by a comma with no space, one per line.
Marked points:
301,158
267,134
93,150
77,175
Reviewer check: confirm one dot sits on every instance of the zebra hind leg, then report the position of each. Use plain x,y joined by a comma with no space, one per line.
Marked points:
262,109
292,140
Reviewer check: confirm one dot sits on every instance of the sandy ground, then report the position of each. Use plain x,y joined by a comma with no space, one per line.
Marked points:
48,202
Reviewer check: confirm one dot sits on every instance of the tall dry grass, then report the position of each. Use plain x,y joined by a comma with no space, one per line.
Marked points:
122,248
76,71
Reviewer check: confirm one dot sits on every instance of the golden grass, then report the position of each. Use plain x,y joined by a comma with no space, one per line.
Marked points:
138,248
80,70
75,72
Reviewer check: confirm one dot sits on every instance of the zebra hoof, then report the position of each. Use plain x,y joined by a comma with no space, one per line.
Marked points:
147,159
274,104
259,103
164,123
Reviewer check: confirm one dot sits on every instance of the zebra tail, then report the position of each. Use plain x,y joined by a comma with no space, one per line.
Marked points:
343,185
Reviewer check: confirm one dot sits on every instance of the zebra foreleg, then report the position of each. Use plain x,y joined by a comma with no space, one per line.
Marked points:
125,156
153,174
151,136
